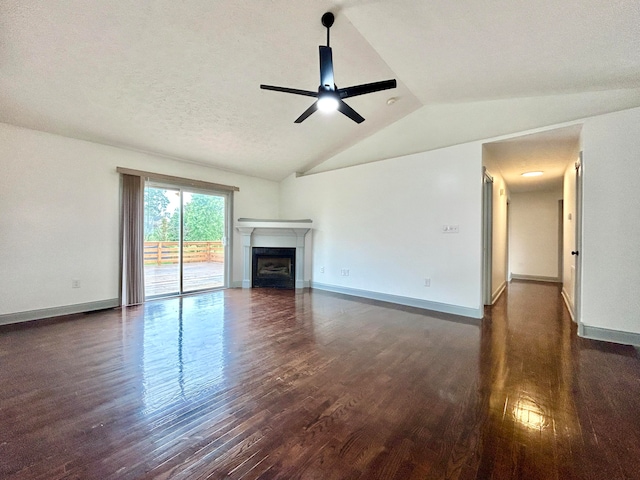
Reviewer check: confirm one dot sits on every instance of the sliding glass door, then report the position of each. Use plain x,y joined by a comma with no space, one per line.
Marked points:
162,219
185,240
203,248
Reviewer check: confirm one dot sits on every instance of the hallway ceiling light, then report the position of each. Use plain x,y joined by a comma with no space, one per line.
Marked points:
532,174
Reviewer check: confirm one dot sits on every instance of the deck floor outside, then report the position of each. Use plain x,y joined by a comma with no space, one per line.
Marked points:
165,279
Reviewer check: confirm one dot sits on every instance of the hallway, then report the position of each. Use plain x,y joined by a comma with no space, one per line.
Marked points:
559,406
274,384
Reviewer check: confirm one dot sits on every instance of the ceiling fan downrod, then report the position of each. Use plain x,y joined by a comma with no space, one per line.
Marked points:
327,21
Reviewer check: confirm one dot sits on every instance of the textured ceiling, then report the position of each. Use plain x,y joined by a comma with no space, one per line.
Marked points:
550,152
182,78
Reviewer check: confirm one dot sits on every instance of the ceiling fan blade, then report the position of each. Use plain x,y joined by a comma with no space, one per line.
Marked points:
350,112
295,91
307,112
366,88
326,68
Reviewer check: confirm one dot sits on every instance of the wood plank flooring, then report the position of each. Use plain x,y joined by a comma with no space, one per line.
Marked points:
269,384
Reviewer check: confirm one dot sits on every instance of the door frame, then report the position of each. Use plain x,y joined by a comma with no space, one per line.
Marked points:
226,239
487,236
577,287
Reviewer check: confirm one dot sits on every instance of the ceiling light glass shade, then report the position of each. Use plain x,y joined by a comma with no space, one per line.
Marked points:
327,103
531,174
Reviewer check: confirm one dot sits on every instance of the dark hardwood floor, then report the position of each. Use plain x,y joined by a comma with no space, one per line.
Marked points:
272,384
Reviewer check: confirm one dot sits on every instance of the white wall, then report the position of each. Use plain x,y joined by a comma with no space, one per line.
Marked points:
383,222
60,210
611,222
59,215
500,258
534,236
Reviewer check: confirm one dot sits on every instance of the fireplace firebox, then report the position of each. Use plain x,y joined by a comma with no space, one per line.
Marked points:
273,267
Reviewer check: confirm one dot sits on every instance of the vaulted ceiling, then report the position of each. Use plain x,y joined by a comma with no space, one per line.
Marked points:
182,79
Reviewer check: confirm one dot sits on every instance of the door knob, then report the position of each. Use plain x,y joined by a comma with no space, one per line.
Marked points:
575,253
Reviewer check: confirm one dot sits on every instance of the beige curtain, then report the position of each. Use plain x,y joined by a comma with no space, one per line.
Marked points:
132,239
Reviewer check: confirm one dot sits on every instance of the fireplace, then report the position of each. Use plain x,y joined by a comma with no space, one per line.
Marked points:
273,267
281,244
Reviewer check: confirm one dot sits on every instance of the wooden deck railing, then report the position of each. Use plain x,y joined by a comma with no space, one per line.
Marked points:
162,253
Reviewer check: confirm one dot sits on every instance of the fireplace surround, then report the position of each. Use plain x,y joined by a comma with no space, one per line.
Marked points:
278,235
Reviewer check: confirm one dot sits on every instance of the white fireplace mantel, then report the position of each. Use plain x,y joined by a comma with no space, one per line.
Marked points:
274,234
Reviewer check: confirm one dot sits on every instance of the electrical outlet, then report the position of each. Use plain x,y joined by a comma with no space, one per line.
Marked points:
427,282
344,272
75,283
321,269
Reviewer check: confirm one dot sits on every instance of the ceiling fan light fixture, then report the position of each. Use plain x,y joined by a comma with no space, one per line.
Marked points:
327,103
329,97
531,174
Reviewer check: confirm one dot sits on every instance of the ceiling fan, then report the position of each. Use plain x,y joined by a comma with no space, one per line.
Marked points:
329,97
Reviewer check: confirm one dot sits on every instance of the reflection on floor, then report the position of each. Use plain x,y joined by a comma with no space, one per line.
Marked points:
273,384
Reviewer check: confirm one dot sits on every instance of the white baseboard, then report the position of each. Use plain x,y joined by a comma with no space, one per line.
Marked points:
565,297
400,300
535,278
301,285
498,292
9,318
605,335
